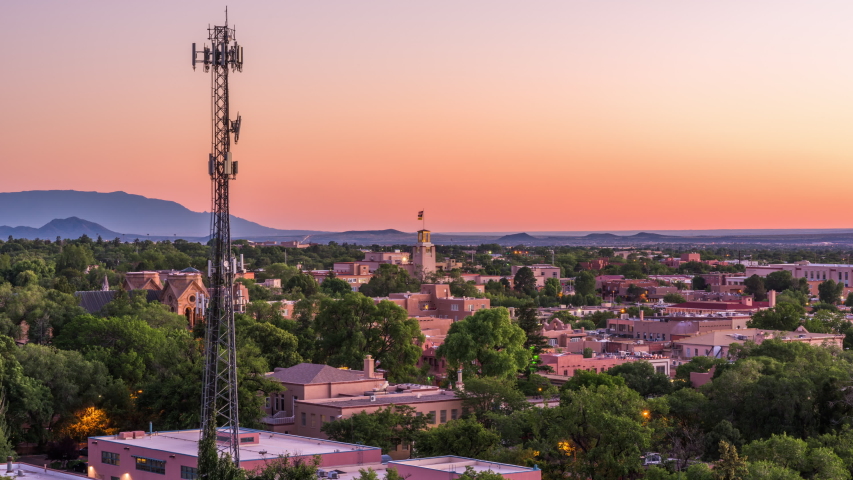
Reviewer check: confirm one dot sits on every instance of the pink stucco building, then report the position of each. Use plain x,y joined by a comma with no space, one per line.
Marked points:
815,273
566,364
541,271
451,467
435,300
174,455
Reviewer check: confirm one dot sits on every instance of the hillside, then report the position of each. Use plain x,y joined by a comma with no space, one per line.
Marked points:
120,212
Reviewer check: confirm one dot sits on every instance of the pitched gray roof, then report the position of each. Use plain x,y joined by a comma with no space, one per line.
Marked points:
306,373
93,301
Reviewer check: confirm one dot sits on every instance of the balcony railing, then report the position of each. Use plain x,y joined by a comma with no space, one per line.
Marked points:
279,419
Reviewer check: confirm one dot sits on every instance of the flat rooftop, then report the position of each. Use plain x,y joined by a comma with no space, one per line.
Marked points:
387,399
459,464
40,472
185,442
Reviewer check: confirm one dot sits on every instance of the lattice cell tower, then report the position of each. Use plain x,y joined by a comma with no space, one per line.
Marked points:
219,391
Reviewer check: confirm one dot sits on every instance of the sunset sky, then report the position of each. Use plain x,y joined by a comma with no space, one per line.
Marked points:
491,115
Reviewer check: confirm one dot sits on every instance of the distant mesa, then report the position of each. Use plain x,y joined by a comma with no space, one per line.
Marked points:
388,231
647,235
602,236
71,227
517,238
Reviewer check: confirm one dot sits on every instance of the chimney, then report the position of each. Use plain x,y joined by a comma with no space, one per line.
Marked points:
368,367
641,314
459,385
771,297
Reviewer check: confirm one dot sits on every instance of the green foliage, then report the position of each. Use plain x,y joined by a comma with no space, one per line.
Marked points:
674,298
699,283
585,283
335,287
600,318
830,292
390,279
525,281
487,395
463,437
588,379
471,474
487,343
754,285
731,466
381,428
783,317
302,283
355,326
277,346
641,376
552,287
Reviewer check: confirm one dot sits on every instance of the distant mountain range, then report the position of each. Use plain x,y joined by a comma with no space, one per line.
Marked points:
122,212
65,228
70,214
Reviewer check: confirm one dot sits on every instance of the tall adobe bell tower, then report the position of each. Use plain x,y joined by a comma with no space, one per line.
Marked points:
423,255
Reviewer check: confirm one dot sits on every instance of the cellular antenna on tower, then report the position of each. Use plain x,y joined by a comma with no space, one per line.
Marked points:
219,389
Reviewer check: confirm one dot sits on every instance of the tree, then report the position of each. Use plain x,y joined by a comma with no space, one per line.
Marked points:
730,466
587,379
277,346
641,376
785,317
830,292
552,288
849,301
491,395
355,326
487,343
600,318
525,281
335,287
463,437
674,298
461,288
755,286
585,283
780,281
528,320
5,433
381,428
390,279
471,474
604,430
304,282
699,283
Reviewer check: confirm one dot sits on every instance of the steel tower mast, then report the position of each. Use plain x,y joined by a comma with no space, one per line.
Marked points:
219,390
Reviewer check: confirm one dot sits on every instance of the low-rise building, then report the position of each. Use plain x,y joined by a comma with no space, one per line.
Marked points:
541,271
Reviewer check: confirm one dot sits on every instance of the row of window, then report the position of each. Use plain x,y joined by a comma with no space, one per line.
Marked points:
148,465
813,275
455,307
433,419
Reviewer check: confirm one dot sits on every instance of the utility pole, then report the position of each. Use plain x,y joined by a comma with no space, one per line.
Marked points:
219,390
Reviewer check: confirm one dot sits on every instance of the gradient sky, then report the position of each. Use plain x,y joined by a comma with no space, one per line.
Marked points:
492,115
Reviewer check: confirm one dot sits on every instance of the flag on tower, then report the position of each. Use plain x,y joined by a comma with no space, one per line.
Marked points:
421,215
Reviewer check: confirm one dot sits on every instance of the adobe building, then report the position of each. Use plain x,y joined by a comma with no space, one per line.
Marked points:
566,364
172,455
716,344
318,394
666,329
451,467
814,273
435,300
541,271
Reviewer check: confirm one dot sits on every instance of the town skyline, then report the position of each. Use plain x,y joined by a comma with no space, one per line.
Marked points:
491,116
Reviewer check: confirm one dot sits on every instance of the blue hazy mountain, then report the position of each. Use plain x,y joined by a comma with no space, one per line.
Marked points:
119,212
72,227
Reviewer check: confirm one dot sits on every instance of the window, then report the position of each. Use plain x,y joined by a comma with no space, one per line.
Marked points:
471,308
454,307
189,473
247,439
322,419
313,420
454,414
303,419
432,417
151,465
444,416
268,402
114,478
110,458
660,369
